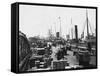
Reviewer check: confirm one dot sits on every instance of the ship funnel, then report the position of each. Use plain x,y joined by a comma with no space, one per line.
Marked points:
76,33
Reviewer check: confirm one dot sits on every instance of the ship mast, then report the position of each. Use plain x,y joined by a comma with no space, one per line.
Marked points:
72,32
71,28
87,24
60,25
89,29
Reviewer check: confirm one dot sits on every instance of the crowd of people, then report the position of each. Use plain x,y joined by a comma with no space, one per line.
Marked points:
54,49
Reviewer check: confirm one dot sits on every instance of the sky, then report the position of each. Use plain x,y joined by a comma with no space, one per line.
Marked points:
37,20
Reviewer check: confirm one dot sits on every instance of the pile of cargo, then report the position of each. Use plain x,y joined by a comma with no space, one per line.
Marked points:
58,65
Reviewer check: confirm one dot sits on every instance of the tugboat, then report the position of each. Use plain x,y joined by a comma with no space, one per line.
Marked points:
87,48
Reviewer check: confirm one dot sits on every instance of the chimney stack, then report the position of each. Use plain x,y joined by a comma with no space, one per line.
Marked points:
76,33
